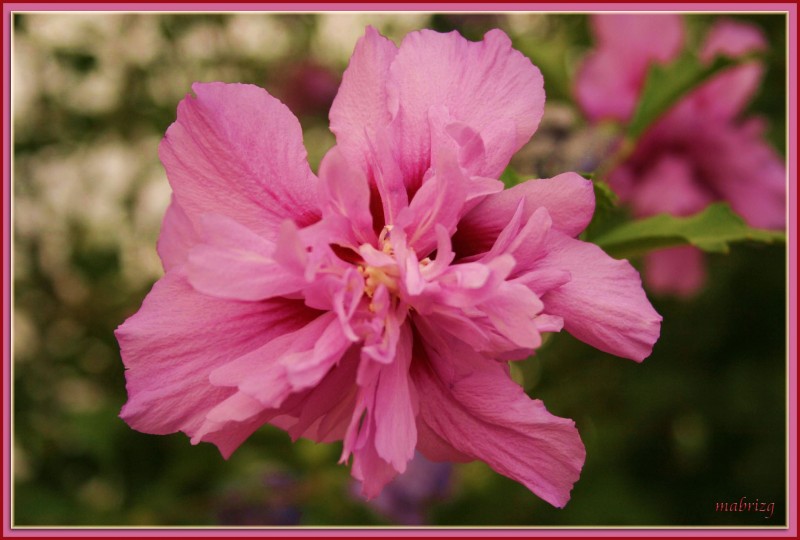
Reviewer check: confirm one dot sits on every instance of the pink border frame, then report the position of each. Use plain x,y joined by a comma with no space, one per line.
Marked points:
790,531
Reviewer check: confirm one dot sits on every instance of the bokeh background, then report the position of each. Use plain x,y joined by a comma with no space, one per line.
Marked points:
702,421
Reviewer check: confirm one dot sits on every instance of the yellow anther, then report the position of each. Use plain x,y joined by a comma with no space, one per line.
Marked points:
378,276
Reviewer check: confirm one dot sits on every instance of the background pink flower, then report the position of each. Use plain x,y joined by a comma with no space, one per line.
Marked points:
611,77
701,151
379,303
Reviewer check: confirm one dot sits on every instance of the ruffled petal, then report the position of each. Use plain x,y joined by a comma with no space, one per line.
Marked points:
233,262
371,469
177,338
177,236
324,413
472,405
236,150
603,304
481,155
344,192
360,108
231,422
568,198
395,407
485,85
435,448
292,362
438,203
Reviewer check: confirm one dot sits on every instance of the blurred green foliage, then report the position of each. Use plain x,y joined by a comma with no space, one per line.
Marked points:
713,230
702,421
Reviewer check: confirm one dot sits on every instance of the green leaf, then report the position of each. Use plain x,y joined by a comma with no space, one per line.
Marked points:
711,230
604,196
606,212
666,84
511,178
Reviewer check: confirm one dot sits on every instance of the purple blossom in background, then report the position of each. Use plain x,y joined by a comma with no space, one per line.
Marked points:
406,500
699,152
380,303
307,88
277,501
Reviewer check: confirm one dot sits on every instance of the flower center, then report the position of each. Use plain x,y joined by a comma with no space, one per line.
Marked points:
385,269
374,276
386,275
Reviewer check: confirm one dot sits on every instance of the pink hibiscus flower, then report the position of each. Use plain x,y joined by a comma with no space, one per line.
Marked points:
378,303
697,153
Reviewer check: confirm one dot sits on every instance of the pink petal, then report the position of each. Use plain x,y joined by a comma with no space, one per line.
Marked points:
670,186
233,262
231,422
512,311
444,255
680,271
360,108
344,192
177,236
236,150
433,447
439,202
568,198
606,88
751,176
304,369
725,95
603,304
395,404
483,154
371,470
450,137
387,325
478,83
728,159
732,38
320,413
653,36
524,242
178,338
324,413
289,363
611,78
472,404
382,432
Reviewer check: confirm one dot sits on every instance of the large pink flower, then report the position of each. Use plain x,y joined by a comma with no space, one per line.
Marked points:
379,303
697,153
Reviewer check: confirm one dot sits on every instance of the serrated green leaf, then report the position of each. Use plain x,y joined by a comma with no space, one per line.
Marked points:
711,230
666,84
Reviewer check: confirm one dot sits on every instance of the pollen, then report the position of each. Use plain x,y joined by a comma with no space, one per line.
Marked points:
374,276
